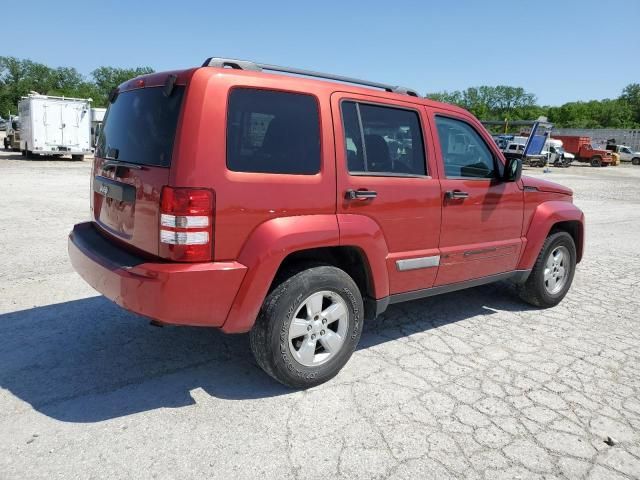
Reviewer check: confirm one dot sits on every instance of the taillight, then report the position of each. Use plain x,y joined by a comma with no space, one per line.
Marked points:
186,224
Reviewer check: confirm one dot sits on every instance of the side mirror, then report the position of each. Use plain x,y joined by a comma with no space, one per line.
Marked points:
513,170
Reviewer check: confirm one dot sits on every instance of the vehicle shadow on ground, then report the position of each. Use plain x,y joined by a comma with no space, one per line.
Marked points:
88,360
36,158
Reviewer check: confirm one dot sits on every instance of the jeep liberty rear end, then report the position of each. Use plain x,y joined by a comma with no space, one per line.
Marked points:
293,208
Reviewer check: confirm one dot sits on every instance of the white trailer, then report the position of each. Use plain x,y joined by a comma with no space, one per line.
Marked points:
97,117
55,126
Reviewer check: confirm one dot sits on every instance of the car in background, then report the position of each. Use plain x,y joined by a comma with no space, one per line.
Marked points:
502,140
3,124
513,150
625,152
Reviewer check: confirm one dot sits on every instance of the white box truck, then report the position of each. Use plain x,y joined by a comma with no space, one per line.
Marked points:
55,126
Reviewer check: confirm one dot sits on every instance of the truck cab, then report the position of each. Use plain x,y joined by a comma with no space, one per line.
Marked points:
584,151
12,136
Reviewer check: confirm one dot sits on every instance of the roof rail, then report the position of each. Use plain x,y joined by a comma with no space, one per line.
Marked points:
248,65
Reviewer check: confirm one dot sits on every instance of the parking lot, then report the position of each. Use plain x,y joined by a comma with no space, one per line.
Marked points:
473,384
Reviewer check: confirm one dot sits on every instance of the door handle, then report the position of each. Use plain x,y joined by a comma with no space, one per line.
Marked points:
360,194
455,194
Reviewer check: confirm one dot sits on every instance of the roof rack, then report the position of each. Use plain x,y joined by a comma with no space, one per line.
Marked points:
248,65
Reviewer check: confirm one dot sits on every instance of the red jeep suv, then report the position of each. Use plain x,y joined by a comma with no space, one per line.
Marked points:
294,206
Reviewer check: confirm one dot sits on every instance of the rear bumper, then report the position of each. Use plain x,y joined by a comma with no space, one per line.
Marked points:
198,294
62,152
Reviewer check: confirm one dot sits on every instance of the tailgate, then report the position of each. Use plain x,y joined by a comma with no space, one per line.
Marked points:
126,203
133,159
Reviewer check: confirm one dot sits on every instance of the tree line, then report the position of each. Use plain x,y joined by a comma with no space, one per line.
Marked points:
514,103
19,77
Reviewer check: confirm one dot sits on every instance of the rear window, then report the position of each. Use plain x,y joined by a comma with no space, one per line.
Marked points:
273,132
140,126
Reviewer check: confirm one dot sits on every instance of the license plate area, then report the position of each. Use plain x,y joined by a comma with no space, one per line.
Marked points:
120,192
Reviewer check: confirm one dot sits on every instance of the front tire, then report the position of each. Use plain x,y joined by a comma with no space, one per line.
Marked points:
308,327
635,161
596,161
552,273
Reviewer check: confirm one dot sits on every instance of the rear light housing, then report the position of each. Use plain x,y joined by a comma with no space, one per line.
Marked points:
186,224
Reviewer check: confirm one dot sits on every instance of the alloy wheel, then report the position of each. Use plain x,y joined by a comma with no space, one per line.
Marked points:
556,270
318,328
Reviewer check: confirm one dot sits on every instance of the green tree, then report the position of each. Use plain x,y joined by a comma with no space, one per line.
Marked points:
107,78
19,77
605,113
514,103
490,103
631,97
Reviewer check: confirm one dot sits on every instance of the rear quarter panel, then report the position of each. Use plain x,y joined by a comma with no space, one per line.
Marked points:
246,200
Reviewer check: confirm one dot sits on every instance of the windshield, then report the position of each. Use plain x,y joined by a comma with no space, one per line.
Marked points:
140,127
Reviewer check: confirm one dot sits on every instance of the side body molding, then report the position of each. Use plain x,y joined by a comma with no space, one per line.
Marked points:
544,217
264,251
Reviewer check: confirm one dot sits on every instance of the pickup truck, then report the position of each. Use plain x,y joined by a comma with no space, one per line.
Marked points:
585,152
625,152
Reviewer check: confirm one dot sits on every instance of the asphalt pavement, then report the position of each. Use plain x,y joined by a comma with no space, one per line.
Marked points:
472,384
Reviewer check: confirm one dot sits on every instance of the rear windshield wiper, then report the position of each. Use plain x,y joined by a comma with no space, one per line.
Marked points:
112,163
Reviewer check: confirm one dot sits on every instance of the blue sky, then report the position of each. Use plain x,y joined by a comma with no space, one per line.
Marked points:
583,49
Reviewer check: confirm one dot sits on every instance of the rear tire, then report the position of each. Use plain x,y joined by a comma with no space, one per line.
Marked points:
78,158
309,314
596,161
635,161
552,274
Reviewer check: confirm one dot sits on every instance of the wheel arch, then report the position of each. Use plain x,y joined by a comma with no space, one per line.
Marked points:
349,258
280,244
574,228
558,215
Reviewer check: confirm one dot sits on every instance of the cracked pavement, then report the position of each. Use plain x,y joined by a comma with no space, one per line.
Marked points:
473,384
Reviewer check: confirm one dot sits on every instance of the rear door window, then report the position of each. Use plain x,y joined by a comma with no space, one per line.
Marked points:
382,140
140,126
273,132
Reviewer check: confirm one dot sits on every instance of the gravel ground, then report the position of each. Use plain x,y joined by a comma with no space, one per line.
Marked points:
473,384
